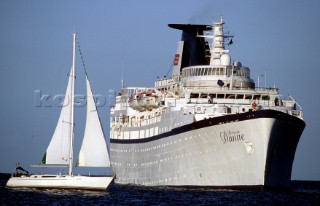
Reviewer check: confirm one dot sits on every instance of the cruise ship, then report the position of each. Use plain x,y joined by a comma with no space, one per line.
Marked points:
207,125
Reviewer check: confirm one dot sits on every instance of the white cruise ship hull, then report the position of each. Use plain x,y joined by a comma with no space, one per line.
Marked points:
60,182
248,149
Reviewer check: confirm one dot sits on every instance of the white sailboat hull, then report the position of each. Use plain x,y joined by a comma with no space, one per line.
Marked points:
61,182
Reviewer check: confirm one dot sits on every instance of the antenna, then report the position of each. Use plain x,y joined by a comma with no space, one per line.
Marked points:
122,68
265,79
122,74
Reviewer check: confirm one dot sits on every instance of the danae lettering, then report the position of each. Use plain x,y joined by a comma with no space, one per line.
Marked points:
231,136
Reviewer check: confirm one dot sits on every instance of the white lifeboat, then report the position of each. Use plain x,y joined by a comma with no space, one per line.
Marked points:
146,100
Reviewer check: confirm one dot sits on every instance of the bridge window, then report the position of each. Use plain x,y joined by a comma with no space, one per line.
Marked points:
194,95
248,96
230,96
204,71
255,97
220,96
203,96
239,96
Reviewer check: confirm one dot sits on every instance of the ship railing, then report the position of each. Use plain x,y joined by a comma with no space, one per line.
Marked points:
296,113
266,89
205,83
140,121
290,97
289,102
211,87
296,108
164,82
293,112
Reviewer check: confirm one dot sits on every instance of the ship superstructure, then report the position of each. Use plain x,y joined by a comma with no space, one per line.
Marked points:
206,125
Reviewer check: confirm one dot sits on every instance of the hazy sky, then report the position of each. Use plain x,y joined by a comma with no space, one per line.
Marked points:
276,38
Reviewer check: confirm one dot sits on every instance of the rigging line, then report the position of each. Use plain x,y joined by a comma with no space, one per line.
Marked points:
85,70
81,56
169,70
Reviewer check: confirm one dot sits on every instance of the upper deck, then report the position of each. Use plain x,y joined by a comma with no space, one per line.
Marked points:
203,79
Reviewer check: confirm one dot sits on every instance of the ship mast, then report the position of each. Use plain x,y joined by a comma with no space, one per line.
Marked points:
219,55
72,106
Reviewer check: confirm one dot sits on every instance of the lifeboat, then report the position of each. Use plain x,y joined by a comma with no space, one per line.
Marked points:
134,104
146,100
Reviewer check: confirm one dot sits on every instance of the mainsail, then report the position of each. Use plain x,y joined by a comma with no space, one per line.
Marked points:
93,152
58,150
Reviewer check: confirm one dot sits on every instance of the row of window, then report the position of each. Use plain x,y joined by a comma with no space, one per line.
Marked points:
207,71
203,71
230,96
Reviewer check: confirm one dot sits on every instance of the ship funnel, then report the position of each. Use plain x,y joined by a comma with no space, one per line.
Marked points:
196,50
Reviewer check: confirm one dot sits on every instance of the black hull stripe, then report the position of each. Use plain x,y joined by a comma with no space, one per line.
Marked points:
216,121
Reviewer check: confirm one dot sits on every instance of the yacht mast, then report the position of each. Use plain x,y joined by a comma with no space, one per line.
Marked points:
72,102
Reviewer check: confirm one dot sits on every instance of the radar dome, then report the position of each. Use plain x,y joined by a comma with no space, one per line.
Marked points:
225,59
238,64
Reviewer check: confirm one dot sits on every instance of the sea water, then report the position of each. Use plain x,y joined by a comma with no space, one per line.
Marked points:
300,193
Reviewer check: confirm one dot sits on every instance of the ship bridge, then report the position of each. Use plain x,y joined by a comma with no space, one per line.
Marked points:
232,76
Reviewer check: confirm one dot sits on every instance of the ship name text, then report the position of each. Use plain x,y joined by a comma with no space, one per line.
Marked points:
231,136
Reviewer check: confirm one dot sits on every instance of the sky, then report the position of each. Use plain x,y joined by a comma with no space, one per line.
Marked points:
131,40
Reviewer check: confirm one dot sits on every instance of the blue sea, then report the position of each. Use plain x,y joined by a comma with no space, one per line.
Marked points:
300,193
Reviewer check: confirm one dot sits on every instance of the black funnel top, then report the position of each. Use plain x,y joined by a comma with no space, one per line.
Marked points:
194,49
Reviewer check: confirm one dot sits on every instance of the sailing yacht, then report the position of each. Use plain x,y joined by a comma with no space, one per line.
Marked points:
93,152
